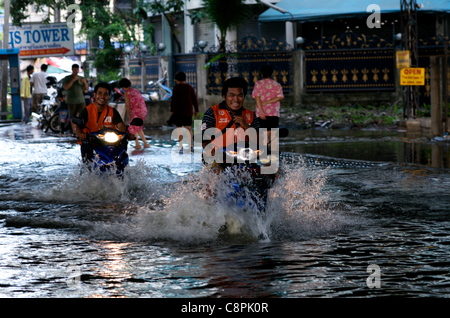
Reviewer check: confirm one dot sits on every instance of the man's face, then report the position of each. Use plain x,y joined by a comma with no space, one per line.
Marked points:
234,98
101,96
75,70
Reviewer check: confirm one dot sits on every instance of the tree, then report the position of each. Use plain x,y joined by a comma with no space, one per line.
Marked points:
172,11
226,14
98,23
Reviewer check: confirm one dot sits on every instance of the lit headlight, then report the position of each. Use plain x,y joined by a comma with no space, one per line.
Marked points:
111,137
244,154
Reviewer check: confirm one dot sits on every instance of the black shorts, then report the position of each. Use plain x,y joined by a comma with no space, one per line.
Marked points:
270,122
181,120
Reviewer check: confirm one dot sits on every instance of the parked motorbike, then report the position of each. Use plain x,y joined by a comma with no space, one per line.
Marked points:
56,124
153,89
46,110
48,105
109,147
116,93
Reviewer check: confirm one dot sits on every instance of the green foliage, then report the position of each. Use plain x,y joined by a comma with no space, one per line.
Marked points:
226,14
172,11
218,57
98,23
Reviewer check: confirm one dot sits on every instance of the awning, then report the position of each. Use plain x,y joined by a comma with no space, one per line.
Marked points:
321,10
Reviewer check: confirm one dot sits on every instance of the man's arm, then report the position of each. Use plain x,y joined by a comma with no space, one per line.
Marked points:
85,85
79,131
273,100
68,84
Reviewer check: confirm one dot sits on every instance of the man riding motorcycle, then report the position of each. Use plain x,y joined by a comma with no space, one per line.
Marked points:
97,115
228,119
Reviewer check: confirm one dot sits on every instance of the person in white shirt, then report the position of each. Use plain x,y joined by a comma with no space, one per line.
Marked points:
39,83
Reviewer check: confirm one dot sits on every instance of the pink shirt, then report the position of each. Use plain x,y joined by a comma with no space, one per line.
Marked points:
267,89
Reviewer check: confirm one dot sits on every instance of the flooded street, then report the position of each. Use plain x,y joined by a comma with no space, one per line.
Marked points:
348,202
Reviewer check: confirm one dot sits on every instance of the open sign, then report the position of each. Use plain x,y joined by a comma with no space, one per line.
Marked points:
412,76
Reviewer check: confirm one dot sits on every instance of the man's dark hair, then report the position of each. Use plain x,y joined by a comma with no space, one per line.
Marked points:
104,85
180,76
234,82
75,66
124,82
30,68
43,67
266,71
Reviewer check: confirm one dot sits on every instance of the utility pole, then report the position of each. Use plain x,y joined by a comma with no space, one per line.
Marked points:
5,62
408,10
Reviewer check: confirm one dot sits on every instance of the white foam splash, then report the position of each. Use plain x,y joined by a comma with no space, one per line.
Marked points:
297,209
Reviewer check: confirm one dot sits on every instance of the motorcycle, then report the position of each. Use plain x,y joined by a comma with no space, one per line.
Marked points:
46,111
247,185
48,105
109,147
55,123
117,95
153,92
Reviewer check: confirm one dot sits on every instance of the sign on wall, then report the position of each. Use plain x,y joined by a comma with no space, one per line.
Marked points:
42,40
403,59
412,76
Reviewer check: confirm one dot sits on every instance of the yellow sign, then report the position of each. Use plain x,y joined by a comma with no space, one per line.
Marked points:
412,76
403,59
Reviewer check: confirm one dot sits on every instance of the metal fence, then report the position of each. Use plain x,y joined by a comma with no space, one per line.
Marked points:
350,70
248,65
186,63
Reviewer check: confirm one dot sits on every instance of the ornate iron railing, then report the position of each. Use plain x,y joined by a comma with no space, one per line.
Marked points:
248,65
186,63
350,70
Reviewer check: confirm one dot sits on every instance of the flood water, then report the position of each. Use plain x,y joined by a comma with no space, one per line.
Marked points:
348,202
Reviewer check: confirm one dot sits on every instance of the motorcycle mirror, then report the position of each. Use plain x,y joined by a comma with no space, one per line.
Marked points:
137,122
78,121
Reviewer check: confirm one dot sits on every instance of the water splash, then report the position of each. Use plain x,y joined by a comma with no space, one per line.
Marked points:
297,208
138,184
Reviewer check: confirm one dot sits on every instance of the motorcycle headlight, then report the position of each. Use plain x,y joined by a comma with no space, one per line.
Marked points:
110,137
246,154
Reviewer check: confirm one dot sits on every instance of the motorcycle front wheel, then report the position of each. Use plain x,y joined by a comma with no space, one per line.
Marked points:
55,123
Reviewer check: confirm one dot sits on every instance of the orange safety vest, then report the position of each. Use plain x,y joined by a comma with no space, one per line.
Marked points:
95,124
105,120
223,117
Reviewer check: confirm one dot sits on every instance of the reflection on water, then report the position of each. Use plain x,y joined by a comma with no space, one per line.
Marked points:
384,146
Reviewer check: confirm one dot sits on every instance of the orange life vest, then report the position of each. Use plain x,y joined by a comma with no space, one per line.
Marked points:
95,122
223,117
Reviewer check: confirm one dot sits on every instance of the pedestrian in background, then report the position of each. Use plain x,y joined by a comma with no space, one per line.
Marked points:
183,99
268,94
75,86
39,83
135,107
25,94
